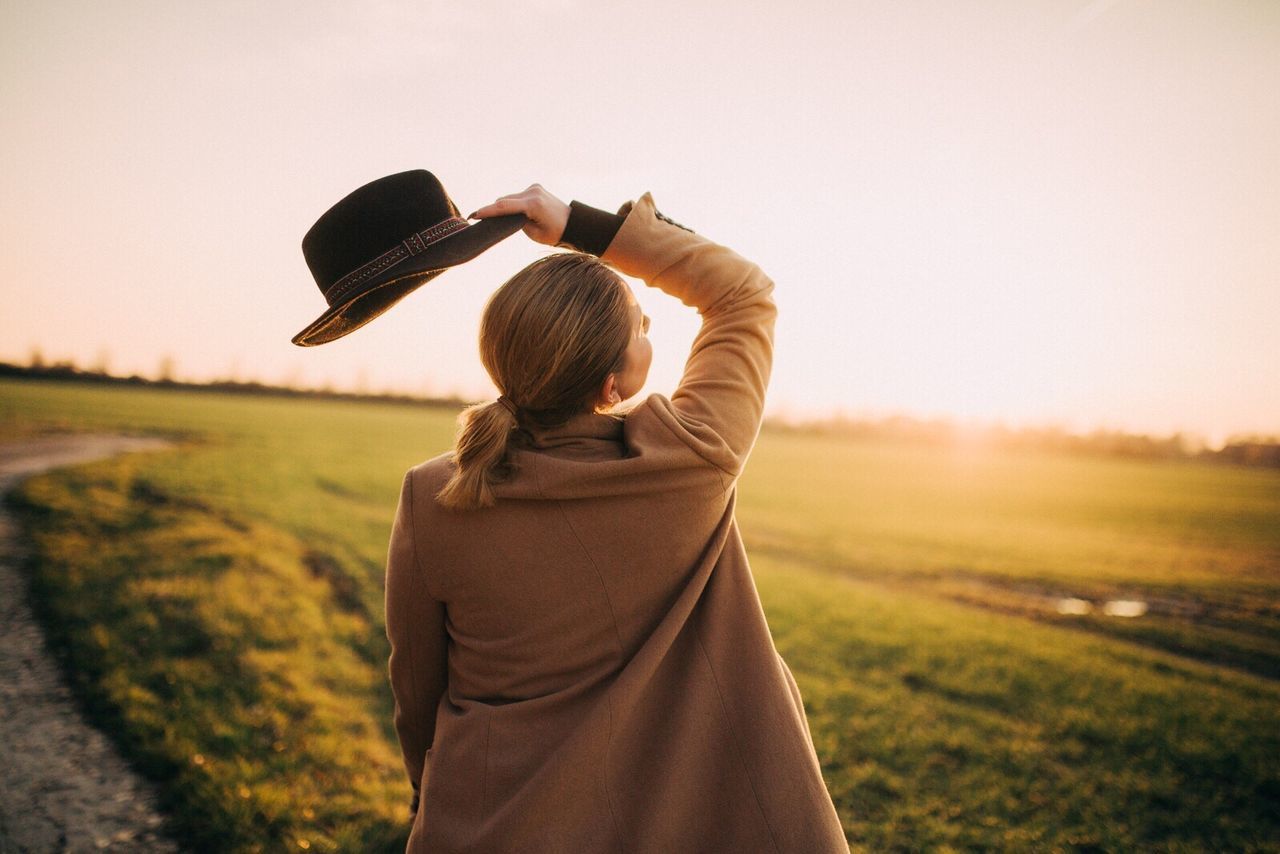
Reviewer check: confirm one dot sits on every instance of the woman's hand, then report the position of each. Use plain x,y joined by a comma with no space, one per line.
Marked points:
546,215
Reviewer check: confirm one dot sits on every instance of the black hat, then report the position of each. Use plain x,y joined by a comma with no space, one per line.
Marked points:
385,240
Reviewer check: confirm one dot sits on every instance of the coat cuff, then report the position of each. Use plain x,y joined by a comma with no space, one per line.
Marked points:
589,229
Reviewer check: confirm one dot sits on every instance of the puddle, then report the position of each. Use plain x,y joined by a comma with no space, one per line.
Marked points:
1124,608
1112,608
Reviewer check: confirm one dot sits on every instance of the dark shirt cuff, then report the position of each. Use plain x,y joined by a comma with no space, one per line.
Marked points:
589,229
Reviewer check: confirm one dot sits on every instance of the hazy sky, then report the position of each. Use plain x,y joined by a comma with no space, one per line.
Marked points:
1040,212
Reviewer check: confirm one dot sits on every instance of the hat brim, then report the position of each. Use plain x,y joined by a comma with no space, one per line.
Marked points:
382,292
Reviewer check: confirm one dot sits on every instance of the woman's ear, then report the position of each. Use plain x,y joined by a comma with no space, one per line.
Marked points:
609,391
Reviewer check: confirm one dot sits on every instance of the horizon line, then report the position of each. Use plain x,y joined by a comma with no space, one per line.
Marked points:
963,428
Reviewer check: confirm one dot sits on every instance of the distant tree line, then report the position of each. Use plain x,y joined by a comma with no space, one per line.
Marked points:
1249,450
1246,450
64,370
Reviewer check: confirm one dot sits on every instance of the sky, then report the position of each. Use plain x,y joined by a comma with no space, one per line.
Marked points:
1040,213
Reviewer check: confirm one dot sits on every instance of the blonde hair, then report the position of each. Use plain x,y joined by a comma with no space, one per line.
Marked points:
549,338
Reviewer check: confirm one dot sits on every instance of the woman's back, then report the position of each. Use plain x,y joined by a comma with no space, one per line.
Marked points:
546,591
585,665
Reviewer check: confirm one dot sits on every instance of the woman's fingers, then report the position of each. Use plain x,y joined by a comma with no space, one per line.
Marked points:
523,202
499,208
546,214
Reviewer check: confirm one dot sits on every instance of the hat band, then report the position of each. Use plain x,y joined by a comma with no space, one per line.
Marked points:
412,245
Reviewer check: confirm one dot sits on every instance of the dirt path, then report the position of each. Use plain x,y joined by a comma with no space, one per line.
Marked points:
63,786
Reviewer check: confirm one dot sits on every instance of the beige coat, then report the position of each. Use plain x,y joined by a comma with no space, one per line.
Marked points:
585,667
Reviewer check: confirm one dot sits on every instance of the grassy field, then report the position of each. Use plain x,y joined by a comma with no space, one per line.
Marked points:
221,607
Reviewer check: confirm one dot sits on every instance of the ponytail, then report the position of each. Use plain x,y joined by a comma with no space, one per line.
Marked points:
551,336
480,456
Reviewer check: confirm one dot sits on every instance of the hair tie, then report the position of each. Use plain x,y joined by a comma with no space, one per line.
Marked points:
507,404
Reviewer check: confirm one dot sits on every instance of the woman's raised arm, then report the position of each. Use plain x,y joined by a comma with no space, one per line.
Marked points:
719,402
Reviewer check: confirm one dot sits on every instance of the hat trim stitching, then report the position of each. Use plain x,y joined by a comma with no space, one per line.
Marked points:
393,256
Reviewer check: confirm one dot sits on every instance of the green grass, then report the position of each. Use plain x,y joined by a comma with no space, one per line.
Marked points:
1014,531
223,601
1069,520
940,728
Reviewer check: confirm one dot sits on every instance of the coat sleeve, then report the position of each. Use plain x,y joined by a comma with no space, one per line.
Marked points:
418,664
719,403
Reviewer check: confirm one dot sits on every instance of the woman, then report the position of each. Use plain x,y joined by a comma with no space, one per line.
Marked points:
579,658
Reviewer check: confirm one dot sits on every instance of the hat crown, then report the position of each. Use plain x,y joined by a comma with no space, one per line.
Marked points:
372,219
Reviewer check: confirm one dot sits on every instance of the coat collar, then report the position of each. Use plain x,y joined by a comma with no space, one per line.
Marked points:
585,429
